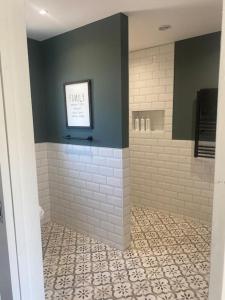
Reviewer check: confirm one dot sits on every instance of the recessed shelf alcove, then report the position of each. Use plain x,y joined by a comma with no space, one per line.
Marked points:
155,117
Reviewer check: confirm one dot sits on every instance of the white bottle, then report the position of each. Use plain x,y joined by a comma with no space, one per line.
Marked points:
148,125
136,124
142,124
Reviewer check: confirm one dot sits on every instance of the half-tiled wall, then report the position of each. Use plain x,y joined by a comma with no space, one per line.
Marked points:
87,189
43,179
164,173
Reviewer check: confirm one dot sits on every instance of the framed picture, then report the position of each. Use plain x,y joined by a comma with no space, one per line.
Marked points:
78,104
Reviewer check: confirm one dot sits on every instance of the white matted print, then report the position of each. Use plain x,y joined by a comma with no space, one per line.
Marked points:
78,104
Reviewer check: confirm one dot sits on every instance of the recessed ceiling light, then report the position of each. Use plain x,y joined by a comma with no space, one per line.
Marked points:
43,12
164,27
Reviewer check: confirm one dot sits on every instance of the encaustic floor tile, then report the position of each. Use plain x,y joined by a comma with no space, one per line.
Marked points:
168,260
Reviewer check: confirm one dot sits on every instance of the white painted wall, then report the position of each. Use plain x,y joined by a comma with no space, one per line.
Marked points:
20,148
164,173
8,253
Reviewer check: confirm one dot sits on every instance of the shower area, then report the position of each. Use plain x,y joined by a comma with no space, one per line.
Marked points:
124,220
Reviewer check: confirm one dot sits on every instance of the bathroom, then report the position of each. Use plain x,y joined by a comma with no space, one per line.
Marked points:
93,247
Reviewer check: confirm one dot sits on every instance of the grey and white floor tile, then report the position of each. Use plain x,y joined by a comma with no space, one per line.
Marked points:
168,260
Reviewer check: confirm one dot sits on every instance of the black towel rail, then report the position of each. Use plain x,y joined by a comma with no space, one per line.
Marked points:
205,131
69,137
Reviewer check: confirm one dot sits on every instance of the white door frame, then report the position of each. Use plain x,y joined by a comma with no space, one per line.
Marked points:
18,157
7,195
217,274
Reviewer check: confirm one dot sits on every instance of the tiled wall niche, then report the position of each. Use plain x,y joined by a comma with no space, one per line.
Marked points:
153,120
164,173
87,189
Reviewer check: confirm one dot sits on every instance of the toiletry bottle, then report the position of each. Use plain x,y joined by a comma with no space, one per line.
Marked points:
136,124
148,124
142,124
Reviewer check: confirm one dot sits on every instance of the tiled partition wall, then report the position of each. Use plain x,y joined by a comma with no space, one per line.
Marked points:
89,190
164,173
43,179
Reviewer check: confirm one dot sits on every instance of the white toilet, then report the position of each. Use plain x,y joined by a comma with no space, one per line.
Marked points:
41,212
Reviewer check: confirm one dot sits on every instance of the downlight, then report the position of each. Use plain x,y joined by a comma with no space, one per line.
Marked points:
43,12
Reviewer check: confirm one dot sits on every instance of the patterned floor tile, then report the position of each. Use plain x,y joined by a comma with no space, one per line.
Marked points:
168,260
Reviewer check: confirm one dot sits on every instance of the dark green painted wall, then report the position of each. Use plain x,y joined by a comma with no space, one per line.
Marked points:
196,67
36,65
98,52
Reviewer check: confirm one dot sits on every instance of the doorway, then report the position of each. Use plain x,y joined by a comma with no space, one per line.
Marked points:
26,220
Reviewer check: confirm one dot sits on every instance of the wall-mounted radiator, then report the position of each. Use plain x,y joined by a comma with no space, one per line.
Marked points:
205,131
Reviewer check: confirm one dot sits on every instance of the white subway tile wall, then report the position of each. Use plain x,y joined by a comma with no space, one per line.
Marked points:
89,190
164,173
43,179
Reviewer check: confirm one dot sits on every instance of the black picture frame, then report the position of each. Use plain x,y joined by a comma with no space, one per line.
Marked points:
88,106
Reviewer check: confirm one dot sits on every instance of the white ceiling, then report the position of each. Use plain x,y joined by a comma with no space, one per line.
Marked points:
188,18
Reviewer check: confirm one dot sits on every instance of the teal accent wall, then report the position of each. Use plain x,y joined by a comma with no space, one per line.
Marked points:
196,67
99,52
36,65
